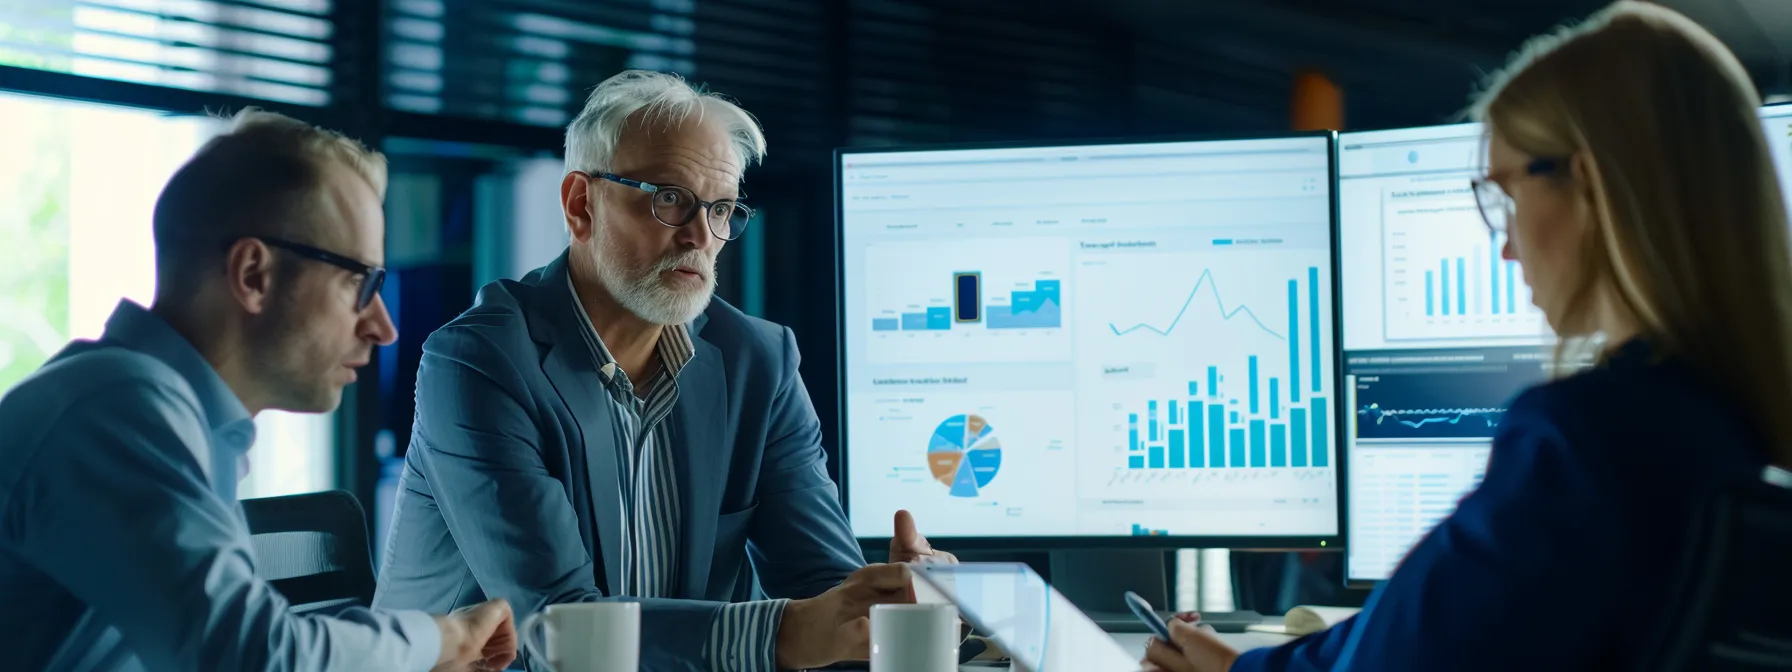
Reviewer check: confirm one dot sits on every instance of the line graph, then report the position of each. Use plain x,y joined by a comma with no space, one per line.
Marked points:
1206,280
1489,417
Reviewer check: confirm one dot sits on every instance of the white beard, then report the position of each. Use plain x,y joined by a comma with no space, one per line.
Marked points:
638,287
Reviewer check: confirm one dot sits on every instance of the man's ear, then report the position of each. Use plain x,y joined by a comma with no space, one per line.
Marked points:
249,267
576,196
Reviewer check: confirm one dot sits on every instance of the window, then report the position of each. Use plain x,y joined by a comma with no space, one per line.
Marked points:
76,198
270,49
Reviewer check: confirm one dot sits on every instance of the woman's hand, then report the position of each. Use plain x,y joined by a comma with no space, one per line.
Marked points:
1193,648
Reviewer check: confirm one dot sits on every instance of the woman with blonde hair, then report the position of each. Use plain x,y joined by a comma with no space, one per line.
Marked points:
1628,169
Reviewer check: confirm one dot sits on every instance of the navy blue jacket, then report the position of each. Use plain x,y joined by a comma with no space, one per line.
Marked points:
1588,496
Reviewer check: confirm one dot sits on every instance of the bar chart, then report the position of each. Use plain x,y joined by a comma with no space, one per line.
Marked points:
1444,276
979,301
1036,306
1253,418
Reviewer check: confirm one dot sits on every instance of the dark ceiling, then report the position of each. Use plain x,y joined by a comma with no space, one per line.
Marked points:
1400,62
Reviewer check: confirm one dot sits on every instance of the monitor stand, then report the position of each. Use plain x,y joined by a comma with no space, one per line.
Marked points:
1097,581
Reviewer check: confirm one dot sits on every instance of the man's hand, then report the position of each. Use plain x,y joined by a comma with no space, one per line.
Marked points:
480,637
836,625
1200,649
909,546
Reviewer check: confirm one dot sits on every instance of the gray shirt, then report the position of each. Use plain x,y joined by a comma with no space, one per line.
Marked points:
121,543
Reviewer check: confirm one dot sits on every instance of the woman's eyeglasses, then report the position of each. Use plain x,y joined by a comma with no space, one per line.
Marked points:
1497,207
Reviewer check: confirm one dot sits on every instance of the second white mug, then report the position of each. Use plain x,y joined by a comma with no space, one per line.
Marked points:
586,636
914,638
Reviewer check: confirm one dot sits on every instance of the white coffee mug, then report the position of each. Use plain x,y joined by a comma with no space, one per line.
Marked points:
586,636
914,638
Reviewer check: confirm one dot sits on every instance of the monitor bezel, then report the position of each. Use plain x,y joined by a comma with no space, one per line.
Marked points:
1332,542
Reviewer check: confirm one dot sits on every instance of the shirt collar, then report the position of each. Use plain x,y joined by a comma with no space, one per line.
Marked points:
675,346
134,327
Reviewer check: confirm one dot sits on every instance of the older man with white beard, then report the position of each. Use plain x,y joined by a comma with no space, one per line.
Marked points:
603,429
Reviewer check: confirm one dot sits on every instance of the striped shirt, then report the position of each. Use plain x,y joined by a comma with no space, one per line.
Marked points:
744,635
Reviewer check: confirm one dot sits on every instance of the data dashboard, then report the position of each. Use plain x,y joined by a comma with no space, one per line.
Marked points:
1091,340
1439,334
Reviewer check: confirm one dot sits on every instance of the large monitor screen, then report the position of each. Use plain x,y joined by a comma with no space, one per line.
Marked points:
1439,333
1091,341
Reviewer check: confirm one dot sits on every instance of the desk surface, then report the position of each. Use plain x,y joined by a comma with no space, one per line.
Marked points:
1135,645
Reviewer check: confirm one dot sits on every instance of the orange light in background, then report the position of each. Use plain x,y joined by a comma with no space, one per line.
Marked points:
1318,103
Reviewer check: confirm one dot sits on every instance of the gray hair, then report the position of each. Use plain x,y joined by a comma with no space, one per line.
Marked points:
591,138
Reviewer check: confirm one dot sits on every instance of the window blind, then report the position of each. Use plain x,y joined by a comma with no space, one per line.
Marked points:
525,61
277,50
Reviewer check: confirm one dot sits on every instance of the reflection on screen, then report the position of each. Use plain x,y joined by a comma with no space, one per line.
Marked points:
1032,621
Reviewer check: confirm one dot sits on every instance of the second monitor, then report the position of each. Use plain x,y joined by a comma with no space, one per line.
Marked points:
1439,334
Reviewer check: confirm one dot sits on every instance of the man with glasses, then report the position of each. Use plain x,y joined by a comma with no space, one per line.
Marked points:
603,429
121,543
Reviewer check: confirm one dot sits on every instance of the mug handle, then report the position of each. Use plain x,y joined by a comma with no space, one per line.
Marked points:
528,633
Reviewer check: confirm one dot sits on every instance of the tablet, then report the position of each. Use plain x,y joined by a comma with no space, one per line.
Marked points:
1035,625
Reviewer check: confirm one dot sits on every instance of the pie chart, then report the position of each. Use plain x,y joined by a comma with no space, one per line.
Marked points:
964,454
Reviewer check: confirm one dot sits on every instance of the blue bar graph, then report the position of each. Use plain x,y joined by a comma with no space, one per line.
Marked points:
1038,308
1278,445
1259,452
1294,340
1321,456
1494,267
1253,373
1132,439
1313,321
1197,453
886,324
1430,294
1297,436
1461,288
939,318
1216,436
1511,271
1443,279
1243,429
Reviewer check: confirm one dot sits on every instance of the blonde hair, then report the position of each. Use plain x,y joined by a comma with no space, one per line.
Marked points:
1690,233
259,178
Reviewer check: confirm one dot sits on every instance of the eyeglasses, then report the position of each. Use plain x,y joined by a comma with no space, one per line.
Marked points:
372,277
676,206
1497,208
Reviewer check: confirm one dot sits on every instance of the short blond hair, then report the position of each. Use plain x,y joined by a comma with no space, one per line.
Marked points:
259,178
1690,234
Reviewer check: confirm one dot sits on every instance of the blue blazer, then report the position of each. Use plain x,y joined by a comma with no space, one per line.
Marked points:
510,485
1588,497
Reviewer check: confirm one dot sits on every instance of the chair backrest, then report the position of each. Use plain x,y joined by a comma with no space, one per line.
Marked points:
313,548
1731,606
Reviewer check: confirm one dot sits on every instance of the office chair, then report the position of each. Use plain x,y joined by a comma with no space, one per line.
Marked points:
1734,586
313,549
